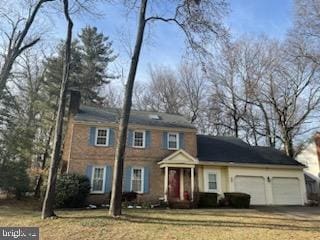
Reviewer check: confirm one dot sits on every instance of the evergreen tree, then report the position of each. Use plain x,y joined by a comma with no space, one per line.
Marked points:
96,54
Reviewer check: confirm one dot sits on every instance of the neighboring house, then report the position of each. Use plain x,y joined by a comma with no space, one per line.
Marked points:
309,155
165,158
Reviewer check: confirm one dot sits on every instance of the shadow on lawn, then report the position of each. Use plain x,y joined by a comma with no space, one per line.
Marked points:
133,218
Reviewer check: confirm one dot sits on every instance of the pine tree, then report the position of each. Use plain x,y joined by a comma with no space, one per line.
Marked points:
96,54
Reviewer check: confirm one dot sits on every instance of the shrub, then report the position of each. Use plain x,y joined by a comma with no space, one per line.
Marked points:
72,190
14,178
129,196
207,200
238,200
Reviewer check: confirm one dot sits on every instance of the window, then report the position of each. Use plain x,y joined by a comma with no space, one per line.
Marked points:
139,139
173,141
102,135
212,182
97,183
137,180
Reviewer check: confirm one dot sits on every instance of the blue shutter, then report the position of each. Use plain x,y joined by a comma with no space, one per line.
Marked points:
181,140
129,138
92,136
165,140
108,180
89,172
148,139
146,179
127,179
111,137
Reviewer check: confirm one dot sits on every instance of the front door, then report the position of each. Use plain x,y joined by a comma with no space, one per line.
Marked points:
174,183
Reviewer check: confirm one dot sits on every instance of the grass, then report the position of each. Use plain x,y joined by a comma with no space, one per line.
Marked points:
168,224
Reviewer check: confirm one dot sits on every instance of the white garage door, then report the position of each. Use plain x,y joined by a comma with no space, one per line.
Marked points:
254,186
286,191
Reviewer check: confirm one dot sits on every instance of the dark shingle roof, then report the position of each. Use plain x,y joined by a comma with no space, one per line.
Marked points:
112,115
231,149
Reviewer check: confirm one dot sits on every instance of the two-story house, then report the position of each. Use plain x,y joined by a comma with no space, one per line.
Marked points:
165,158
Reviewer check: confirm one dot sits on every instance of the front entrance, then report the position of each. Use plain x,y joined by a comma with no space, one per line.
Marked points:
174,183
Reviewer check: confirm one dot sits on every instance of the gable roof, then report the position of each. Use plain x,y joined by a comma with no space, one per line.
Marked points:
112,115
234,150
179,157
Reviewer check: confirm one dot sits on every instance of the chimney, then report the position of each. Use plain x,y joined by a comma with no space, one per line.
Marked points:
74,105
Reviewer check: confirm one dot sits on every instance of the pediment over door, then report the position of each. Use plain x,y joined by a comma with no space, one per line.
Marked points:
179,158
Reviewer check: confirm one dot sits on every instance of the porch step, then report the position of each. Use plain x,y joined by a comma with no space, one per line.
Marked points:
180,204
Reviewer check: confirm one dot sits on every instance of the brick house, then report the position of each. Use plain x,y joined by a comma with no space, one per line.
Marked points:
165,158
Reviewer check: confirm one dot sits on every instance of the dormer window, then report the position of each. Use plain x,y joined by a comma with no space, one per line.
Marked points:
139,139
173,141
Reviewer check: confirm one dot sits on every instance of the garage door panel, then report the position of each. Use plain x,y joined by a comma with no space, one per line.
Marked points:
286,191
255,186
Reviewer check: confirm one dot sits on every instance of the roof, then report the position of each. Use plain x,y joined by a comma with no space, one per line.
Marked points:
234,150
112,115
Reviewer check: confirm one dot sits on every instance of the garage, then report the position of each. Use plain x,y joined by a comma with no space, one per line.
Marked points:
255,186
286,191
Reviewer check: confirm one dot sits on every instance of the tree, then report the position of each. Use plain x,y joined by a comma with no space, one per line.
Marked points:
48,203
18,40
200,21
96,54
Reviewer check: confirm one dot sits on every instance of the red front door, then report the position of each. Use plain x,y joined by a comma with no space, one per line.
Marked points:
174,183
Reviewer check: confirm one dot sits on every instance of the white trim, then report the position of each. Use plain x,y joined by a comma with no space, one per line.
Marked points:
206,180
177,135
251,165
142,178
107,137
143,140
103,182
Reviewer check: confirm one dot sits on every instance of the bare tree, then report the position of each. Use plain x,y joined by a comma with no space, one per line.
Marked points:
48,203
201,23
17,40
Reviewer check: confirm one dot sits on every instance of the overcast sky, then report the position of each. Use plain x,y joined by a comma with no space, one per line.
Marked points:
165,43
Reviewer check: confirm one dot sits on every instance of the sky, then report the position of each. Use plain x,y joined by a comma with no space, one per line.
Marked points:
164,43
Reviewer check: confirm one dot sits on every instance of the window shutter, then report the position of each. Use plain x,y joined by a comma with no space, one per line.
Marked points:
148,139
129,138
92,136
146,179
108,180
127,179
111,137
89,172
165,140
181,140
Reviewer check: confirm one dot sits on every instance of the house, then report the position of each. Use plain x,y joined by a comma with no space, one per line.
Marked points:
309,155
165,158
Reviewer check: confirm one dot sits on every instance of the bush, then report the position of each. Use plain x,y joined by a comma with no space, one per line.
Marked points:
14,178
129,196
238,200
207,200
72,190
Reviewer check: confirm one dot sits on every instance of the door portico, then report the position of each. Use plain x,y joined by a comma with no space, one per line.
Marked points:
175,168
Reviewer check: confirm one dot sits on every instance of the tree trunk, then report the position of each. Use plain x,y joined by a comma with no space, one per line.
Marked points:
288,145
115,202
16,50
48,204
37,189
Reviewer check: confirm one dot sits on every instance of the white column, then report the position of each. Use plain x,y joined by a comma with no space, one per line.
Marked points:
166,184
192,183
181,184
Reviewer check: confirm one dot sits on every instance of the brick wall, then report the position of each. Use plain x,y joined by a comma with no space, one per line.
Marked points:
78,154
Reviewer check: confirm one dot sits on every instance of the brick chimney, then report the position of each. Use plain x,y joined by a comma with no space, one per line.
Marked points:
74,105
317,142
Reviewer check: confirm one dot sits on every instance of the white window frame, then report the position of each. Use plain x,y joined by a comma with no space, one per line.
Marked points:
178,143
206,180
107,137
142,178
143,141
103,182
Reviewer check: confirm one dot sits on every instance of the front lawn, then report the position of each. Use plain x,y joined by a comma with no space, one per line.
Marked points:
195,224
